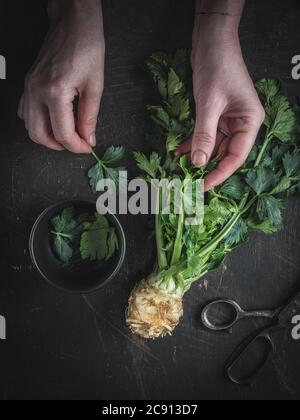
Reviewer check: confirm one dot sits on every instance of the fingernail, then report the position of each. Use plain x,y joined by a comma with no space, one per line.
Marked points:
93,140
199,159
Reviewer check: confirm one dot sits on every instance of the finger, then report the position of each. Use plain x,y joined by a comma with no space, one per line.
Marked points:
222,149
39,128
221,140
184,148
239,148
223,135
63,126
88,111
204,138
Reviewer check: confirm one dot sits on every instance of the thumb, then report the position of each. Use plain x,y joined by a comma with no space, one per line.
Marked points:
204,138
88,111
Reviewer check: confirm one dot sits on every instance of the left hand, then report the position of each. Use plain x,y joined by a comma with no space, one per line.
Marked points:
226,102
70,65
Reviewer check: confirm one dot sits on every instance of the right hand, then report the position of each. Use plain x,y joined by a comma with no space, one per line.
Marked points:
225,99
70,64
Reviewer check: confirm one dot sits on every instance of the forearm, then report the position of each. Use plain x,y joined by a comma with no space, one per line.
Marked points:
218,16
221,7
60,8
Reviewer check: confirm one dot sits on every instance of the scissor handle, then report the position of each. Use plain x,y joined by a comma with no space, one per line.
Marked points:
243,349
238,314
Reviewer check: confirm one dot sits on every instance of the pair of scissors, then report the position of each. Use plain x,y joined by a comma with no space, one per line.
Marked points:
280,319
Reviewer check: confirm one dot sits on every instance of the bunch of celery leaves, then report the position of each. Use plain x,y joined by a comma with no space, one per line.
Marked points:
251,200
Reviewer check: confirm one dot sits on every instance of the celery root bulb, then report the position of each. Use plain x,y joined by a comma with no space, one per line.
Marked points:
152,313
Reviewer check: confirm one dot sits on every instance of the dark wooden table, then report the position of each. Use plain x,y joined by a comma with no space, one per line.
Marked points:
67,347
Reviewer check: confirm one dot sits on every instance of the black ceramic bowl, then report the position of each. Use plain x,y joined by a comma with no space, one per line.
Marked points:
79,276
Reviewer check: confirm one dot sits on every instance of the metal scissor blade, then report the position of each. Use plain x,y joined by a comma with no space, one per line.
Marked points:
288,312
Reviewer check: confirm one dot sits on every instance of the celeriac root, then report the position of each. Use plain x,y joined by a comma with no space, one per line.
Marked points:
152,313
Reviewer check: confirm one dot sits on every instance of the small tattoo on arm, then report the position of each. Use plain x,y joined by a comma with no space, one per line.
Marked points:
217,13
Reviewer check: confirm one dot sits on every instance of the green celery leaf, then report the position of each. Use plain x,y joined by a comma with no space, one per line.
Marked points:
238,234
269,207
151,166
267,162
114,174
253,154
217,213
185,165
106,167
177,128
65,222
291,163
94,245
234,188
95,175
162,58
160,116
170,165
173,142
281,119
67,229
217,257
175,85
261,180
278,152
62,249
222,208
196,265
264,226
113,155
112,244
268,89
180,107
283,186
158,64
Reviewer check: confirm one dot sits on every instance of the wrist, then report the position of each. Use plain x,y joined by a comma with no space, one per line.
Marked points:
222,7
218,19
217,22
216,31
58,9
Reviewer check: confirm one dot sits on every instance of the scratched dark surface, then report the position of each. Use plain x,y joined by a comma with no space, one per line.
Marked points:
65,347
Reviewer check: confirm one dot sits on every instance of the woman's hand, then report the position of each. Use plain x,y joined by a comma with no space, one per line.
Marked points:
226,99
70,64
